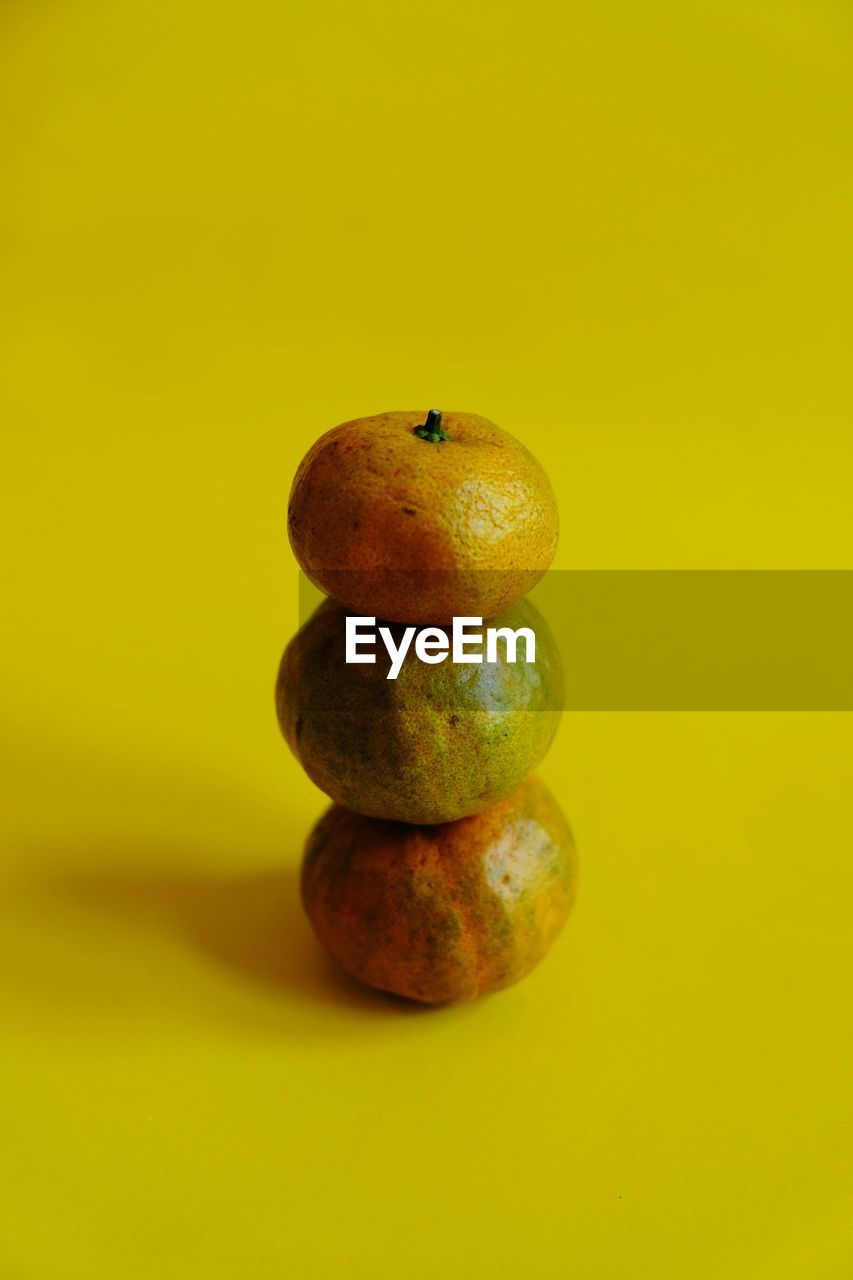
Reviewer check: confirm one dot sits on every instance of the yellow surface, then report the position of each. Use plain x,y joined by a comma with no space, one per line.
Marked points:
620,230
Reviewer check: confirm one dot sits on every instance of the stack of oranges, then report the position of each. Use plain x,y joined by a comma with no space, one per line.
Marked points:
443,871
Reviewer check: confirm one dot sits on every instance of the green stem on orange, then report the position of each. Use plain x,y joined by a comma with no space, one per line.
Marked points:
432,429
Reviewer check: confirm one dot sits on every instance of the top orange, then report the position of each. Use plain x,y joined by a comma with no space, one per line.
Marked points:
418,517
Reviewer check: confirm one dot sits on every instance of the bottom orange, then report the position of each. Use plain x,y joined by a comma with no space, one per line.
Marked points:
442,913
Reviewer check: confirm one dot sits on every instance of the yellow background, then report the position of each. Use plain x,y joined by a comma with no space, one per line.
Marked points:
620,230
